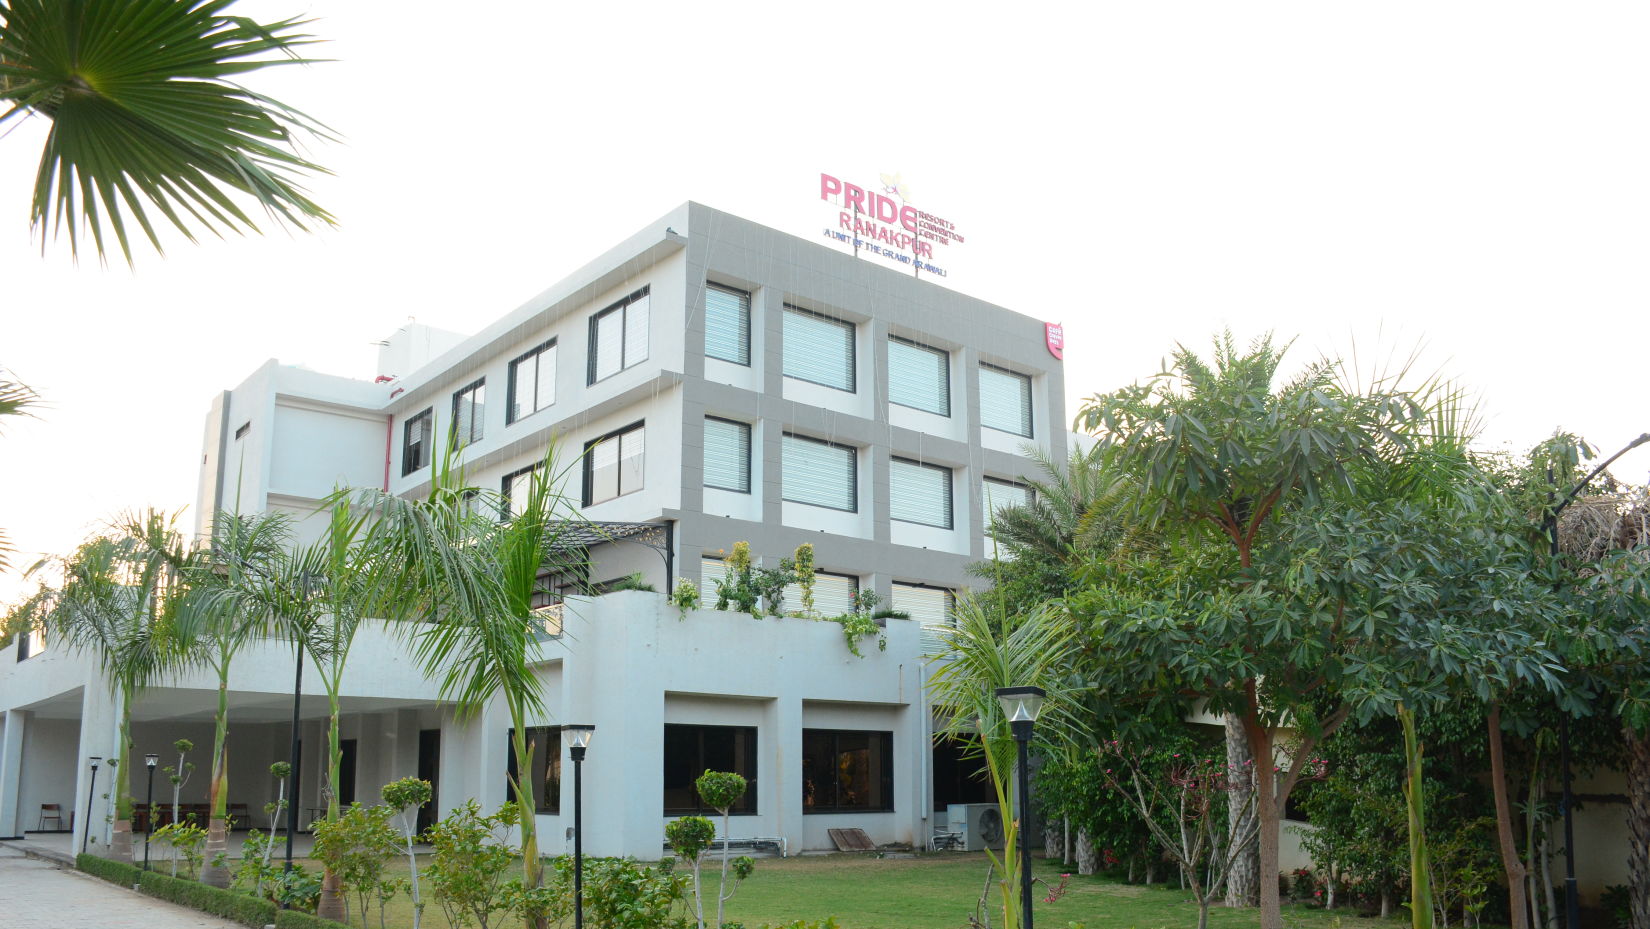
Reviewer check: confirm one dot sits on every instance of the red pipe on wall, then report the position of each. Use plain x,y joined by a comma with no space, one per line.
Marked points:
389,435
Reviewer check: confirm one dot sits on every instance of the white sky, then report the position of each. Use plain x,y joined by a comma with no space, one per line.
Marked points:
1471,176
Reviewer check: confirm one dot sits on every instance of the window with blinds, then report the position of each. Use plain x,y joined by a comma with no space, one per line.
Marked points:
818,349
515,489
618,336
416,438
833,593
919,493
613,465
727,455
929,606
919,376
996,494
533,381
1005,400
819,473
727,324
711,570
470,414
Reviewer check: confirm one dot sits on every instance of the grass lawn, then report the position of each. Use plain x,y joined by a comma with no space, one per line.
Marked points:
939,892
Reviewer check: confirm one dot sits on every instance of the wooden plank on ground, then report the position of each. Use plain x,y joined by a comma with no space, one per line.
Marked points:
851,840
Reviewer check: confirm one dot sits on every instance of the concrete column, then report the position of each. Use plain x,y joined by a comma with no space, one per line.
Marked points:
11,775
99,735
782,788
402,753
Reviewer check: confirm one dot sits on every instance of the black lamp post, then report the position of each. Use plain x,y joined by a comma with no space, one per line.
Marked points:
149,808
91,790
578,739
292,752
1020,706
1572,901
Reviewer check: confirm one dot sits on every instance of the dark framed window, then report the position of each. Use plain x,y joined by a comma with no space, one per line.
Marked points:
997,495
818,349
470,414
1005,400
847,771
614,464
514,489
930,606
919,493
545,742
819,473
532,382
618,336
960,774
418,434
243,430
833,593
727,324
919,376
692,750
727,455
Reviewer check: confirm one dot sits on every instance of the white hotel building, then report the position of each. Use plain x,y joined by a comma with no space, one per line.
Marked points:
722,382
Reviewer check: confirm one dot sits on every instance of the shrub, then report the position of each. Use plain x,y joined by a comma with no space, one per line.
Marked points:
685,597
293,919
471,854
356,846
115,872
247,910
618,893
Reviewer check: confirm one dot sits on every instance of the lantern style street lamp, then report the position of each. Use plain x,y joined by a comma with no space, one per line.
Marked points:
149,808
1021,706
86,836
577,739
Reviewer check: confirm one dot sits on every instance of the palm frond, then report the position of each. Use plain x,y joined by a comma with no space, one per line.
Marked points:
146,113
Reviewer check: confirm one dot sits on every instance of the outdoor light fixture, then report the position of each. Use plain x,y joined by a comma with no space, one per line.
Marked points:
149,808
86,820
1021,705
577,739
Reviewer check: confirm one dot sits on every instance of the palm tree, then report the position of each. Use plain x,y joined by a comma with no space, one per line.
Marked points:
479,580
227,607
144,105
117,602
986,650
15,400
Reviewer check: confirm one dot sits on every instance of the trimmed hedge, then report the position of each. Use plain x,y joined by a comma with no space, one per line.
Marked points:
242,908
115,872
298,919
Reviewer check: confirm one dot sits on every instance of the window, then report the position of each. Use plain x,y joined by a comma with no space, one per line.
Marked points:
727,455
919,493
727,324
960,774
417,437
243,430
469,414
919,377
618,337
692,750
532,381
997,494
833,594
613,465
545,742
818,349
819,473
515,490
711,570
847,771
930,606
1005,400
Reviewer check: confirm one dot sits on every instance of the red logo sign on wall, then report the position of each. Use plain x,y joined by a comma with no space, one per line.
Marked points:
1056,336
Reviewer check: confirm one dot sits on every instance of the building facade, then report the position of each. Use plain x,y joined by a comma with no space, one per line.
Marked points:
707,381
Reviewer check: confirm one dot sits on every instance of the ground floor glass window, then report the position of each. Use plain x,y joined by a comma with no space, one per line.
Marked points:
847,771
546,745
692,750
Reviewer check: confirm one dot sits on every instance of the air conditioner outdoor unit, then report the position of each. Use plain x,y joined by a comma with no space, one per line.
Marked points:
979,824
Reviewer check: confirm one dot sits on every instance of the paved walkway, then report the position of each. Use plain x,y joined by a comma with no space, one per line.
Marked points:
40,894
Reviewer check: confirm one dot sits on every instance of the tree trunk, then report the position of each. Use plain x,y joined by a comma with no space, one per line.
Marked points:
120,843
1638,828
1547,877
217,831
1268,814
1243,882
1087,855
1070,840
1420,864
1053,841
1517,906
331,905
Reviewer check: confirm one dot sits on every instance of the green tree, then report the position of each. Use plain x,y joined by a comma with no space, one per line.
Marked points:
116,601
16,399
987,649
145,104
